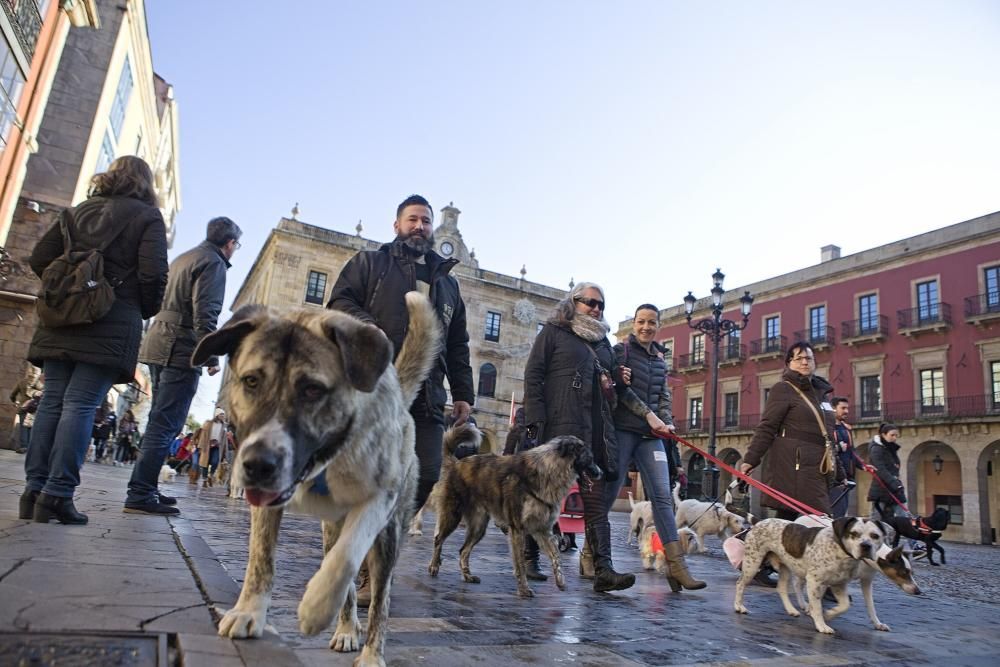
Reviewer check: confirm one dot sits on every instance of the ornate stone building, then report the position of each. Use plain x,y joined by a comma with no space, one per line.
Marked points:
300,262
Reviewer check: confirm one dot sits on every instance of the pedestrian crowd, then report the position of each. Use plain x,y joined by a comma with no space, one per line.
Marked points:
614,398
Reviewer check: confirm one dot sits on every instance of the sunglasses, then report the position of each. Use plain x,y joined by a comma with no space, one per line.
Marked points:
590,303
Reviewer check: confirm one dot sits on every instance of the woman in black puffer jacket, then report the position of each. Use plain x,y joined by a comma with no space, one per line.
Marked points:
81,362
568,390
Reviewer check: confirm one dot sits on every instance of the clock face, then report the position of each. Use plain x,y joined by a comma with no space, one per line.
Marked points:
447,248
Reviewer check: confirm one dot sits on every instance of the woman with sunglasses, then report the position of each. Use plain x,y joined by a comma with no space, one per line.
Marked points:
568,390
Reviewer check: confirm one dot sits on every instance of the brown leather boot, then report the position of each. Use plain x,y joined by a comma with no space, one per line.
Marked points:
677,572
586,562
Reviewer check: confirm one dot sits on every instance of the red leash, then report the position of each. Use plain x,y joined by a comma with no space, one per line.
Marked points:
796,505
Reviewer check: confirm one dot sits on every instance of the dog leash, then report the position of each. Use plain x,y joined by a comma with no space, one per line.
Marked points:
917,521
783,498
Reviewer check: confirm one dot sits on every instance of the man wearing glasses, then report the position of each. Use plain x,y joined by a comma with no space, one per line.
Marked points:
195,290
371,287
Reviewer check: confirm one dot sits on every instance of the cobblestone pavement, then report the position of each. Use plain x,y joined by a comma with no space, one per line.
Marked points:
444,621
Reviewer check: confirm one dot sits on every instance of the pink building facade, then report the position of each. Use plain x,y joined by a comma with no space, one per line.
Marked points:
909,332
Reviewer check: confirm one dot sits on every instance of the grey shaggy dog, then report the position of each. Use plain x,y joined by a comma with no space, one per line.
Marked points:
323,417
523,492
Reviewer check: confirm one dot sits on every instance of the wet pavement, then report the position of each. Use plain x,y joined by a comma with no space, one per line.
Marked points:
446,622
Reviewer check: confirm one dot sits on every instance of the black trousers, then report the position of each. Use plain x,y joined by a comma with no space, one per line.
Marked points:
430,436
596,525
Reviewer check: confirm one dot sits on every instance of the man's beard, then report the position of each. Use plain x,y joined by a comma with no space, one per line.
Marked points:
416,243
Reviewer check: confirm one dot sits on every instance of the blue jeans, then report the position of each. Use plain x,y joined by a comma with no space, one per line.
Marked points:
173,391
651,459
63,424
213,461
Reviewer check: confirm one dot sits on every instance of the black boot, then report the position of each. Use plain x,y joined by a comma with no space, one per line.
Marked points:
26,505
605,577
53,507
531,552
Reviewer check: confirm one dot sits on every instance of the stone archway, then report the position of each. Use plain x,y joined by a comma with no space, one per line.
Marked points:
730,457
989,492
927,488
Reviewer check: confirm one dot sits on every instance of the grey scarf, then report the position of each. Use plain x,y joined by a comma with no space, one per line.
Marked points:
588,328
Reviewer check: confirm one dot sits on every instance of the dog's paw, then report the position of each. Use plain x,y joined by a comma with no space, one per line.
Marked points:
470,578
740,609
347,637
239,624
561,582
824,628
315,612
369,658
794,613
415,532
882,627
525,592
433,568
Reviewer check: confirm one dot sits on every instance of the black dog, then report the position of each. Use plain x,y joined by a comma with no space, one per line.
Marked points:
936,522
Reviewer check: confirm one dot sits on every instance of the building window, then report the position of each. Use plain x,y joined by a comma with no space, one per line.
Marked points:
995,382
927,301
991,280
106,156
695,476
487,380
767,394
694,414
733,344
120,102
868,313
931,390
316,287
11,86
871,396
953,504
772,331
698,349
493,326
817,324
732,409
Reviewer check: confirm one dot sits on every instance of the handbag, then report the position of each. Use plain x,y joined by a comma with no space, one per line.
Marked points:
826,466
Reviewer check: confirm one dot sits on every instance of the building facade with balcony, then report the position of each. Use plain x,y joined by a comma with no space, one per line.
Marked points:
300,262
104,101
909,332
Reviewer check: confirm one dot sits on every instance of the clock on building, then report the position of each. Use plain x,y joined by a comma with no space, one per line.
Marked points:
447,249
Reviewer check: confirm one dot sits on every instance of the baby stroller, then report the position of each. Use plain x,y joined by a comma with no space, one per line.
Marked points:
570,519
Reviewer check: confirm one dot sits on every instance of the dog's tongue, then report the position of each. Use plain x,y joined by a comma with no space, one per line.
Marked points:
259,498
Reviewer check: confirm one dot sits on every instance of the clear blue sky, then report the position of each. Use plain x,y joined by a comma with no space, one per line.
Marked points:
638,145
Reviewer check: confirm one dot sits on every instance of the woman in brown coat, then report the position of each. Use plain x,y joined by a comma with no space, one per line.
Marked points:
789,434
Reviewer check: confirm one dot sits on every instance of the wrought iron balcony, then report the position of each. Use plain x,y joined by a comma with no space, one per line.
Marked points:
732,354
982,307
928,317
26,23
817,336
950,408
772,346
691,362
867,329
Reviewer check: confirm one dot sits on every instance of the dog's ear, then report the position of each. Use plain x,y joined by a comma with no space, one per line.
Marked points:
840,527
895,556
365,351
226,339
568,446
885,528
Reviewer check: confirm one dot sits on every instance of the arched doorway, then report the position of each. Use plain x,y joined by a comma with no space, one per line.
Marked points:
989,492
732,458
934,479
696,485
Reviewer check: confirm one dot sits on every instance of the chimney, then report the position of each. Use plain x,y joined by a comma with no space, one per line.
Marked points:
828,253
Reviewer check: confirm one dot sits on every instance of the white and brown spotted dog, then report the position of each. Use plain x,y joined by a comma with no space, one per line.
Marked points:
325,428
821,557
706,518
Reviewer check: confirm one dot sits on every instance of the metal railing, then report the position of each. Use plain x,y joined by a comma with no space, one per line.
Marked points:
816,336
732,353
868,326
982,304
692,360
925,315
772,345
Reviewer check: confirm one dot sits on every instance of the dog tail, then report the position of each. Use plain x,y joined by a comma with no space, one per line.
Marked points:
456,436
631,500
420,347
677,495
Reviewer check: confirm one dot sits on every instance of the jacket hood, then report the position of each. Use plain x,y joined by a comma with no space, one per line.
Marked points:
655,346
894,446
436,262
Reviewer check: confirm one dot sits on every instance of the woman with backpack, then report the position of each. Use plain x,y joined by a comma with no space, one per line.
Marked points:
89,330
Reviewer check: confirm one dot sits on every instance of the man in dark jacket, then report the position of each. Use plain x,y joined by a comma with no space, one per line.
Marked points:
191,307
371,287
844,442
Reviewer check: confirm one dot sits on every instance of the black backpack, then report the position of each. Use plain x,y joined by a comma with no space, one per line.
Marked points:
74,288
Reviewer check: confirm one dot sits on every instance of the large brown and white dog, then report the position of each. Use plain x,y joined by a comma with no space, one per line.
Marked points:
823,557
523,492
324,422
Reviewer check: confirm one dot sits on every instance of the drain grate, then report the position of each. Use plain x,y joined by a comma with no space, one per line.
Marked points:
83,650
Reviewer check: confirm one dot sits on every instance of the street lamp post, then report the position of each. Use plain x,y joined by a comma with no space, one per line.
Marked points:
716,328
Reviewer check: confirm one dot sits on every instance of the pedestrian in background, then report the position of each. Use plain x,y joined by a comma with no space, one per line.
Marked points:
103,430
883,454
846,457
82,361
127,428
642,417
190,312
30,383
214,438
569,390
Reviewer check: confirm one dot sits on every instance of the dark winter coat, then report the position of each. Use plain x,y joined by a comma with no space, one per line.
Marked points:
847,459
372,286
191,308
648,390
793,443
562,394
885,457
138,254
